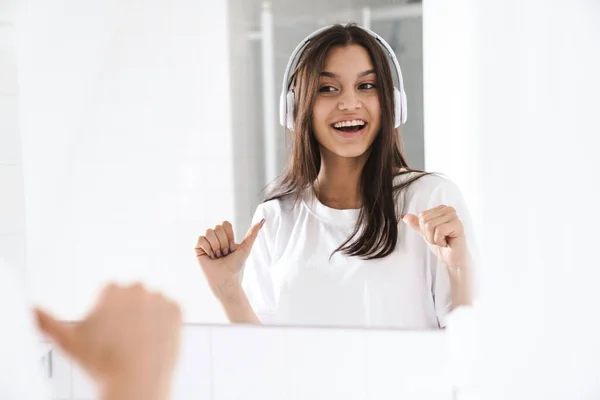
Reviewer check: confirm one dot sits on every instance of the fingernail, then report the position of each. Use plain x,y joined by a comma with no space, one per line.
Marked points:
231,246
262,222
402,216
218,253
225,251
212,255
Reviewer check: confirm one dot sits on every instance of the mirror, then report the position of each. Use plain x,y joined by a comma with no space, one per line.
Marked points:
122,109
151,126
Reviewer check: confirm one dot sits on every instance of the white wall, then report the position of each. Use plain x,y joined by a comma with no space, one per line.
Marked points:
247,116
127,146
511,105
12,204
450,100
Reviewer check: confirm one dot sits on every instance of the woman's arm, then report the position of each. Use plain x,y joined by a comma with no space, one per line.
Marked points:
444,232
222,261
237,307
445,224
462,285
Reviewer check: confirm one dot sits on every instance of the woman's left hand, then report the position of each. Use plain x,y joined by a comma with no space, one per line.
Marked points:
443,230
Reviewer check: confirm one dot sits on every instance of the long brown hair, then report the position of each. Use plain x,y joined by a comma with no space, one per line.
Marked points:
378,213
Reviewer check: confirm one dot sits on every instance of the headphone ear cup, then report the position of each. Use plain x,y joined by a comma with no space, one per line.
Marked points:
290,110
404,108
282,108
398,108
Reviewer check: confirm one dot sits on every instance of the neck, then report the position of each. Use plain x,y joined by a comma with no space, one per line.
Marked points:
337,185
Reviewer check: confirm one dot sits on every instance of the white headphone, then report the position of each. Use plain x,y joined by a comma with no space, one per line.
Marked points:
286,100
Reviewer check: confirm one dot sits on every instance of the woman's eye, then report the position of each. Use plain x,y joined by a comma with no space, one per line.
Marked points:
367,86
326,89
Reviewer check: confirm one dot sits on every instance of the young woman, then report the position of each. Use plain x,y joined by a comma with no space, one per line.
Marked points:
350,235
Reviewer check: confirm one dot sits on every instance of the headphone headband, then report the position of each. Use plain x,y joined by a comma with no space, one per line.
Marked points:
400,97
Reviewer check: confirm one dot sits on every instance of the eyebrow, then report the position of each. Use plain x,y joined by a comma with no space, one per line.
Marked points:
334,76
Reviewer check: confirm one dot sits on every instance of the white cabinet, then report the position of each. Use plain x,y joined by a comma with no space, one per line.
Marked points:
82,387
248,363
193,376
58,371
326,364
273,363
407,365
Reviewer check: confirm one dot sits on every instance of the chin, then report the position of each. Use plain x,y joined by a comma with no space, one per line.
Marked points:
351,148
347,147
349,151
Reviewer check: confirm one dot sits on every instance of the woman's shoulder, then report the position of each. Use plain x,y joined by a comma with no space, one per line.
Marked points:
427,188
277,207
423,181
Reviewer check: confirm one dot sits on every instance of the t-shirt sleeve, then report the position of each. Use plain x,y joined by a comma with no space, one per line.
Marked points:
448,193
256,278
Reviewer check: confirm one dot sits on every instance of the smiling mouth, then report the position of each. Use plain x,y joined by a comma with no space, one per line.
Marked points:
350,129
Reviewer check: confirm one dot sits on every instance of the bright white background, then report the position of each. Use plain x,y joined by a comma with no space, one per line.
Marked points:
511,113
517,79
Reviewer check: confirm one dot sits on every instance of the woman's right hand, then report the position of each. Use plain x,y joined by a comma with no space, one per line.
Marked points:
222,259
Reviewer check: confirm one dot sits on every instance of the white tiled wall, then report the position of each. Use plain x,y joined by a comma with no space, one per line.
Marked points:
258,363
8,64
12,203
118,129
7,13
10,147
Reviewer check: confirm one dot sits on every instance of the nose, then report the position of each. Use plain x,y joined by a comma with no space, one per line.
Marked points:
349,100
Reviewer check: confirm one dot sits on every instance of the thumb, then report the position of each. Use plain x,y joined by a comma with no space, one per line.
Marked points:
60,333
250,238
412,221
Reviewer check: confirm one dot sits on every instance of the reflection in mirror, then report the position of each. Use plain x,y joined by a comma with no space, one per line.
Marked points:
350,233
135,148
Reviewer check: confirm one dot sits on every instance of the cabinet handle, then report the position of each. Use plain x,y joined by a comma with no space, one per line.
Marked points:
50,368
47,362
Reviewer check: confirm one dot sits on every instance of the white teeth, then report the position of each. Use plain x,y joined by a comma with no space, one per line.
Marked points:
354,122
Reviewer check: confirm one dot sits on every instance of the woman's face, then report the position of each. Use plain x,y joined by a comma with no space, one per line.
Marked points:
346,113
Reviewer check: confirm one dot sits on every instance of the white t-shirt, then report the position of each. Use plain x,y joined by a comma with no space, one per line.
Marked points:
20,356
290,280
